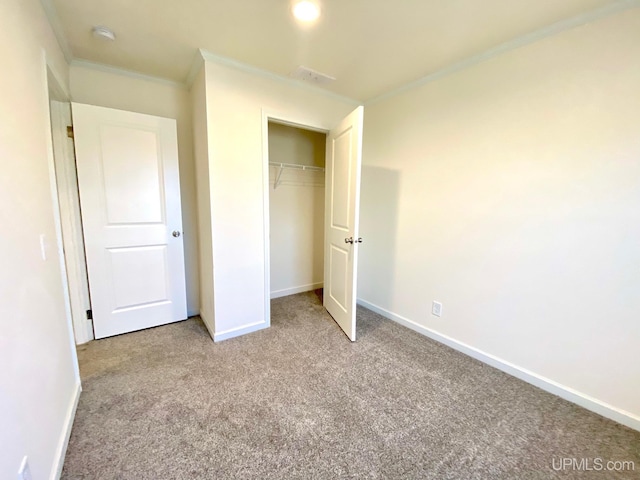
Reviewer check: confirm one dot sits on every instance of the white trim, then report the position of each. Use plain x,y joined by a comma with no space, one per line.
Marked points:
304,123
553,29
61,451
48,79
562,391
238,331
52,15
228,62
266,228
285,292
101,67
50,86
282,118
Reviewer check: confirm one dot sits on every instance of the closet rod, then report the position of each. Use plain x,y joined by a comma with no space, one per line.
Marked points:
292,165
296,165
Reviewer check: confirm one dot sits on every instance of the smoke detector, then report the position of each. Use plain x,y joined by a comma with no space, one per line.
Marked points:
311,76
103,33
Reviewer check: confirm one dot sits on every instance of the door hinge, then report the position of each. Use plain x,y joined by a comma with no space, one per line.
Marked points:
70,131
89,315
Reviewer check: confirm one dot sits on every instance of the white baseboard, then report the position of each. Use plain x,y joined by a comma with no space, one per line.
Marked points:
243,330
292,291
562,391
66,434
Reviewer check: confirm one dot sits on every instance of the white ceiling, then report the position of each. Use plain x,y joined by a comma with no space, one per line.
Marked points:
370,46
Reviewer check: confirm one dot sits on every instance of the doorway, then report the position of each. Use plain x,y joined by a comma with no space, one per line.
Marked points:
128,179
296,209
339,239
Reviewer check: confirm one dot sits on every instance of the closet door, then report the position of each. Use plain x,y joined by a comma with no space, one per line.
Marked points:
343,163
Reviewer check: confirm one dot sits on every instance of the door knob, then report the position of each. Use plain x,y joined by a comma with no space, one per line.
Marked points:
352,241
176,233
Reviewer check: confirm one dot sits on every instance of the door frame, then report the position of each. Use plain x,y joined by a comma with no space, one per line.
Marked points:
54,90
291,121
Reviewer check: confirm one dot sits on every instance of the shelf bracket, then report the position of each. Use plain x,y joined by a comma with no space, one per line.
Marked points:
277,182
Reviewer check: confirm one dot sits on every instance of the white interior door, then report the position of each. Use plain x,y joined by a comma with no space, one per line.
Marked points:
344,158
130,197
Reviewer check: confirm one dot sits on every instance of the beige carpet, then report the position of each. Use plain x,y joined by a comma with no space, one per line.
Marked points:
299,401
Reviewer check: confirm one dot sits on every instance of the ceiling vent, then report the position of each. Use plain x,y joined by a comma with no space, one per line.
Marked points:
103,33
311,76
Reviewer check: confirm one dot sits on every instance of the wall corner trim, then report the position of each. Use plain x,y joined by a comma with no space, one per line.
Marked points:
238,331
601,408
61,452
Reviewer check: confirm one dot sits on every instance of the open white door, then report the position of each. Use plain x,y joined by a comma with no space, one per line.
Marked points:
342,201
130,197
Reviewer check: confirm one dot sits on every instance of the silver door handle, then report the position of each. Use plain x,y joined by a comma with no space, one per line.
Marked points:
352,241
176,233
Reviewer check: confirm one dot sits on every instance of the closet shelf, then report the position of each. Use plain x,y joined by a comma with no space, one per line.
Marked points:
295,166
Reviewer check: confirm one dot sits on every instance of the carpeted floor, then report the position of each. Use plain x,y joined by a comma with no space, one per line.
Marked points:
299,401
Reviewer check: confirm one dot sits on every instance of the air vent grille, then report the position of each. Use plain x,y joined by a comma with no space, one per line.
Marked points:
311,76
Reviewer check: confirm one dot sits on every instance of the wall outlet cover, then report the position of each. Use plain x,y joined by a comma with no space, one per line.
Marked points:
436,309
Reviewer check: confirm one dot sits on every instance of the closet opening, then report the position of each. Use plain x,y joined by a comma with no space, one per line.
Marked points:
296,208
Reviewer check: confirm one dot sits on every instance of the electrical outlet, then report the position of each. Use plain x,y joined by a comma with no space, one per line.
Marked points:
24,473
436,309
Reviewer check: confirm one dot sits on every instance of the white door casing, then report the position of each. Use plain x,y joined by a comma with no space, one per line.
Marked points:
130,198
342,205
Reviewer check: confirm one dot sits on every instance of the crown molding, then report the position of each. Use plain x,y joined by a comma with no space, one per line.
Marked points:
58,31
203,56
125,73
228,62
553,29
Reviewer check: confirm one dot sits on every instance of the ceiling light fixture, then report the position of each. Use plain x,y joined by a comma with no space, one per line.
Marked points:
103,33
306,10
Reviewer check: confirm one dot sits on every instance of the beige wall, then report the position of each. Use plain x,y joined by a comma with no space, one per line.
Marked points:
236,101
38,375
509,192
138,94
296,211
289,144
